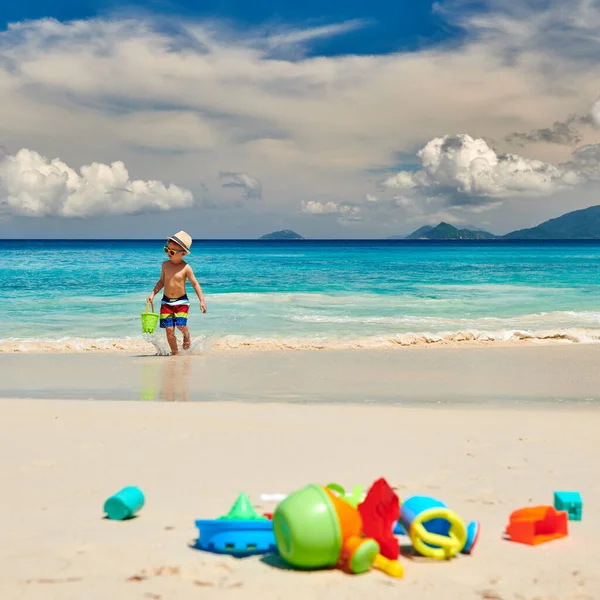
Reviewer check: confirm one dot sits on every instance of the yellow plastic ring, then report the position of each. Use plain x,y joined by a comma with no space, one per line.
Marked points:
433,545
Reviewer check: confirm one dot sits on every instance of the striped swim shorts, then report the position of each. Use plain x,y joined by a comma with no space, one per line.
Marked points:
174,311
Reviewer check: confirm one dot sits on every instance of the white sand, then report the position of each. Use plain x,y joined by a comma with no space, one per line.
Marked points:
61,459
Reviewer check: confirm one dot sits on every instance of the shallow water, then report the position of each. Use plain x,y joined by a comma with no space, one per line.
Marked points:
417,376
304,294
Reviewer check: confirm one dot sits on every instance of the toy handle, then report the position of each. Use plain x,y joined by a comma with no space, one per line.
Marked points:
353,499
390,567
434,545
152,304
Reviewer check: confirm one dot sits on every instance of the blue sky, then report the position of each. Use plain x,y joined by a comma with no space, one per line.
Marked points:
336,119
392,25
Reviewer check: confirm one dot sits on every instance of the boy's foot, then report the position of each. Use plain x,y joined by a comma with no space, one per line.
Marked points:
186,342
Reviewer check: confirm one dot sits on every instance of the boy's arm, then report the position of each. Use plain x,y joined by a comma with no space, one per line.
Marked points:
159,284
197,288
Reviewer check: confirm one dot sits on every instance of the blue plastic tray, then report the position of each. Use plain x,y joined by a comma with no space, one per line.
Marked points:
238,538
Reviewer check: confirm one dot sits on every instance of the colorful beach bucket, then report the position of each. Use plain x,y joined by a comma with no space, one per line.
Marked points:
149,319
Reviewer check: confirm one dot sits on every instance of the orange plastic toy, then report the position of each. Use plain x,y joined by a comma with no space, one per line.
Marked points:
355,546
537,524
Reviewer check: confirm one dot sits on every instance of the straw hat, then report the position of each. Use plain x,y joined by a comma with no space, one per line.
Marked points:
183,239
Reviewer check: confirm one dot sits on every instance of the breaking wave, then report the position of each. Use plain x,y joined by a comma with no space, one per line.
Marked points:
157,344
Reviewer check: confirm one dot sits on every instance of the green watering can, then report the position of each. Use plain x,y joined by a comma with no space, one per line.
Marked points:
149,319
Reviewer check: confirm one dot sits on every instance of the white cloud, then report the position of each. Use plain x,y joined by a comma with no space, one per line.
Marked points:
404,202
299,37
344,212
33,186
252,188
522,29
313,207
464,171
371,198
595,112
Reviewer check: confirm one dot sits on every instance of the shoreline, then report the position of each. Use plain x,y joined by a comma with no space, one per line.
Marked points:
240,344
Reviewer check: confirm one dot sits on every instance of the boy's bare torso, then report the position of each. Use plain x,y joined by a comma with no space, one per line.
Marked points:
174,279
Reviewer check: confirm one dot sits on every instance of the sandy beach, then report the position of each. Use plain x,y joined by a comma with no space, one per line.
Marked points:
62,458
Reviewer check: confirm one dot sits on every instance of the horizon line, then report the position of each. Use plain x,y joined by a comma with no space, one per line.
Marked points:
501,239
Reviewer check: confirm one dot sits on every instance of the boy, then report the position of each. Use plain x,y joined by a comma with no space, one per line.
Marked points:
175,304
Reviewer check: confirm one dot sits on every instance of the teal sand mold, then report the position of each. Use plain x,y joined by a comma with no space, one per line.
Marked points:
124,504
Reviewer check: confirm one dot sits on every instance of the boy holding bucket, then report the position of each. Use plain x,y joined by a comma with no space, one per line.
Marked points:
175,304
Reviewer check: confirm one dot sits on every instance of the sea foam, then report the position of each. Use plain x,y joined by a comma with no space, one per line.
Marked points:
157,345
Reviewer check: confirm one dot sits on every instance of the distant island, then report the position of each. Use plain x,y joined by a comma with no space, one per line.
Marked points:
577,225
445,231
284,234
581,224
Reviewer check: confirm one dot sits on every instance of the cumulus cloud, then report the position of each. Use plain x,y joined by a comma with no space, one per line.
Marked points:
250,186
33,186
343,211
466,171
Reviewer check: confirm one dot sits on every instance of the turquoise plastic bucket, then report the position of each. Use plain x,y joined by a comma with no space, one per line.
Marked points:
414,506
124,504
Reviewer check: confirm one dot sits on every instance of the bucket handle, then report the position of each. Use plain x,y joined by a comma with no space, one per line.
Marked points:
152,304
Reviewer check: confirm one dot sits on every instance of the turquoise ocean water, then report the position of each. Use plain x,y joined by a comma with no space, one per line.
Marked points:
89,294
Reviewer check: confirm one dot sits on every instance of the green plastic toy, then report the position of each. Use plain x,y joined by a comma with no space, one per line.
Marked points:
149,320
306,529
354,499
315,529
242,510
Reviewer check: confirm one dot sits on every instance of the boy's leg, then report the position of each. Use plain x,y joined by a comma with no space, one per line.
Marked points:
186,336
167,322
181,318
170,331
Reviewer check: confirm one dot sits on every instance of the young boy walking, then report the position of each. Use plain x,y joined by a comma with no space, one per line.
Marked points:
175,304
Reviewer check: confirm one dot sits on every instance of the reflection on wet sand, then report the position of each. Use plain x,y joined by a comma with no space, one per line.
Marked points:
167,379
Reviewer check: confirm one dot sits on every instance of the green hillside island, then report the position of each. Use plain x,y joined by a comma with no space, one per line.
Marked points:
284,234
445,231
577,225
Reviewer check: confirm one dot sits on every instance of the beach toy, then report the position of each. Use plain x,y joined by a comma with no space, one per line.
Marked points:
149,320
315,529
241,532
398,529
124,504
473,529
571,502
379,511
353,498
535,525
436,531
